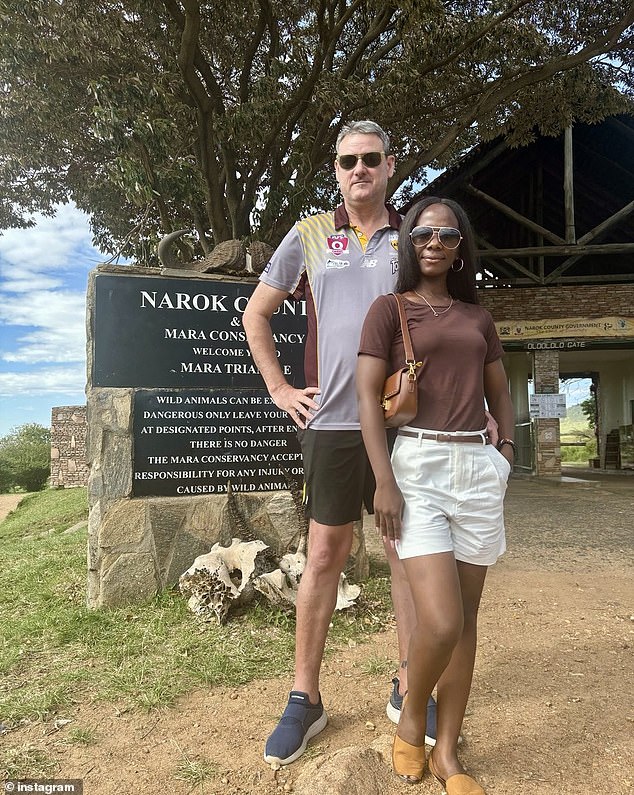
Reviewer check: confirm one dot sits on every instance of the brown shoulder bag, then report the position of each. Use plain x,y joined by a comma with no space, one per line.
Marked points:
399,398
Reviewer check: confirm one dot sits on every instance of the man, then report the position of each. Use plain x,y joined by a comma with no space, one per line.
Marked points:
339,262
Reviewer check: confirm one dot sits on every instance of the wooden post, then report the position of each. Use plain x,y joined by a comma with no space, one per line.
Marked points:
540,217
569,200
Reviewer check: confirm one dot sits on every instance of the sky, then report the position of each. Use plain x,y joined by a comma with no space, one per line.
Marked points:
43,278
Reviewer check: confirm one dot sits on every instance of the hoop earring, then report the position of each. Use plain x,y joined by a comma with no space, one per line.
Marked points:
457,270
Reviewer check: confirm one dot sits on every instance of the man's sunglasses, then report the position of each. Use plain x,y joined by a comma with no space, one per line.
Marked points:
448,237
370,160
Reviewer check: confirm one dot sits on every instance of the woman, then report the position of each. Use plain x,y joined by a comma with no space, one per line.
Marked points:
439,499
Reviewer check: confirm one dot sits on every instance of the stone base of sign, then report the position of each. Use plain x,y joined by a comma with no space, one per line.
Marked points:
142,546
139,546
164,356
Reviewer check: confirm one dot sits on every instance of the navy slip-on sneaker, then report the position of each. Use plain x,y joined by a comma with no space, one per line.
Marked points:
300,722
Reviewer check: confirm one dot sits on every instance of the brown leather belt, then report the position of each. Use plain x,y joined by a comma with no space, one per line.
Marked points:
446,437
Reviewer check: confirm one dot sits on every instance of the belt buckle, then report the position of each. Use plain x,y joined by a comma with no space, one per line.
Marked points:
443,437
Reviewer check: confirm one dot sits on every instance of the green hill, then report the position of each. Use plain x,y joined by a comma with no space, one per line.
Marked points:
574,431
575,423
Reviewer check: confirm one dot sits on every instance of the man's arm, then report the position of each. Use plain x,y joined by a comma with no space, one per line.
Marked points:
492,428
257,324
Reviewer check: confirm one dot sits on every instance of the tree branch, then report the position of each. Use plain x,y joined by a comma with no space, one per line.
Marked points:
380,26
209,167
502,89
468,43
245,74
197,59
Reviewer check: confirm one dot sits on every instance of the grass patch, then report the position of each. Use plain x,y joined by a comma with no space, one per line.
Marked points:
194,771
54,651
27,762
52,509
377,666
81,736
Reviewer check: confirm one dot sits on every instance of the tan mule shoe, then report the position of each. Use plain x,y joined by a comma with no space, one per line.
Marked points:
458,784
408,761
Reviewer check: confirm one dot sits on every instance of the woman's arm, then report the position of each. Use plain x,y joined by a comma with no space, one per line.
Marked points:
388,501
496,391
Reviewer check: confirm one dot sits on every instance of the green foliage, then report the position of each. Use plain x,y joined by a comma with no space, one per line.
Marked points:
578,442
580,454
222,117
589,409
25,458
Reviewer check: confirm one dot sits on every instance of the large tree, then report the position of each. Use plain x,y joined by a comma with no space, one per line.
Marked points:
222,117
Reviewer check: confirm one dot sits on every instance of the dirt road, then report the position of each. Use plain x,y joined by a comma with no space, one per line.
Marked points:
552,705
8,503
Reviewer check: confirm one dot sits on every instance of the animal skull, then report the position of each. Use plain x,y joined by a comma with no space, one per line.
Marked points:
223,578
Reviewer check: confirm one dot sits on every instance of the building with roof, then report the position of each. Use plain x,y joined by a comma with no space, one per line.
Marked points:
554,225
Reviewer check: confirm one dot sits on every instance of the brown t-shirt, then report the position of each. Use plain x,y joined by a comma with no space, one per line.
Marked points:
454,348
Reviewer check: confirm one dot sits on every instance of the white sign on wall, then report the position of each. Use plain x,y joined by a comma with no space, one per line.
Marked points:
547,407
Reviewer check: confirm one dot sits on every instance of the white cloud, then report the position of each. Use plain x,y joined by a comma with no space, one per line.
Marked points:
53,243
61,380
23,283
50,309
43,276
56,323
48,346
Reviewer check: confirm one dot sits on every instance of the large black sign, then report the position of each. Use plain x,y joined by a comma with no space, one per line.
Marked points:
192,442
157,332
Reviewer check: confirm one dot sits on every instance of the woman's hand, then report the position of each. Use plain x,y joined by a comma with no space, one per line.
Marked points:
388,511
508,453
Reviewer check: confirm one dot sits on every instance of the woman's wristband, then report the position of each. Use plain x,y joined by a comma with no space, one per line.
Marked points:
510,442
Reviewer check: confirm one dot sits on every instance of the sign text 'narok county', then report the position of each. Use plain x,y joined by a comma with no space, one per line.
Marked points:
158,332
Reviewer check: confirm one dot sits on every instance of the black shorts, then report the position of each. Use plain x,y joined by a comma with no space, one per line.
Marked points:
338,478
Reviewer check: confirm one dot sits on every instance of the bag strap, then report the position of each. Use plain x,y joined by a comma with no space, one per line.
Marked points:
407,340
410,359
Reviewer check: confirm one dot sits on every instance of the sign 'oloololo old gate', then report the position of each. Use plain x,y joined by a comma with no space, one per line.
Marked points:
177,410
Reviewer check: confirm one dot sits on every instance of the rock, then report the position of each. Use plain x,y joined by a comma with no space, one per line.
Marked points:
259,255
350,771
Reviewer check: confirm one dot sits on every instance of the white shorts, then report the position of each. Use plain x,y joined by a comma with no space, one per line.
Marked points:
454,498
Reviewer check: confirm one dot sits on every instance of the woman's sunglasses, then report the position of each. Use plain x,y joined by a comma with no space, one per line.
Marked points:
370,159
448,237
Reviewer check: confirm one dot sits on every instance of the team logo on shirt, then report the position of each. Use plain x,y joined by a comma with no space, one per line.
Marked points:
337,244
337,264
394,265
394,240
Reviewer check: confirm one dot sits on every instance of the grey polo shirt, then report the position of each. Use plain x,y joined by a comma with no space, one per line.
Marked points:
322,260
